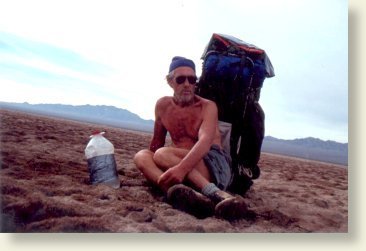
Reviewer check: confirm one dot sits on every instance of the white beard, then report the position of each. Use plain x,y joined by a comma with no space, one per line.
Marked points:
184,100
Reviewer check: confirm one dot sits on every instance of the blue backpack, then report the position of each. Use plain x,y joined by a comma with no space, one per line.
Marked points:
233,73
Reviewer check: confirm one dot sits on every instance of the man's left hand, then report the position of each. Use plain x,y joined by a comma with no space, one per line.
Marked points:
172,176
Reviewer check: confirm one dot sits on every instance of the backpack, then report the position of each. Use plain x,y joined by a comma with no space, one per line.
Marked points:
233,73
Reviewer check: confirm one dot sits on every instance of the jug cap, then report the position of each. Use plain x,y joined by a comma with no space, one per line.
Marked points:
97,132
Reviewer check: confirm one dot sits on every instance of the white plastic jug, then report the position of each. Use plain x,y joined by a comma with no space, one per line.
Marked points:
101,162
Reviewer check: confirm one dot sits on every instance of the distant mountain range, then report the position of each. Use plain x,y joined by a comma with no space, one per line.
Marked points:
307,148
99,114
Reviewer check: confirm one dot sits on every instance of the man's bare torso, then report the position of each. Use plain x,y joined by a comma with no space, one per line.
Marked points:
183,123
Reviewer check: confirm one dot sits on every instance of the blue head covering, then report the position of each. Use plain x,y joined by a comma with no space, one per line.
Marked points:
181,61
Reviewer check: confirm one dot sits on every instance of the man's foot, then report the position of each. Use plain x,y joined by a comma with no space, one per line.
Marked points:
190,201
229,207
232,209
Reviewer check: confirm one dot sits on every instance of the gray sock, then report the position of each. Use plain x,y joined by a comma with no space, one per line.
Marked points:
210,189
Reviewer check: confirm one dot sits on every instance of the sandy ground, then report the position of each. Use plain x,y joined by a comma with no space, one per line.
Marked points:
45,187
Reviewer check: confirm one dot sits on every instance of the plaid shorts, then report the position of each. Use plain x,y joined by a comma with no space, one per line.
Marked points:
218,163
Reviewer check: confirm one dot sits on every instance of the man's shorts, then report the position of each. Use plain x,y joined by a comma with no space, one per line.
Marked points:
218,163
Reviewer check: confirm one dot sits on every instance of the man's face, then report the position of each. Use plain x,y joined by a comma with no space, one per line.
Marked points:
183,84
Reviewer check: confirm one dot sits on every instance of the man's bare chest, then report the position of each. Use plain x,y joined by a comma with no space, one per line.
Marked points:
183,123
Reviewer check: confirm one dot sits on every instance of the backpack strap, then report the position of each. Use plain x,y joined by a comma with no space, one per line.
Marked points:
245,62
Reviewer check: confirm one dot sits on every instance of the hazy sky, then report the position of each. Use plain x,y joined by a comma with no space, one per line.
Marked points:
118,53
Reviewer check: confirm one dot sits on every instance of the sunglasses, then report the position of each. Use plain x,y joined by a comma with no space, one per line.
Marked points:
181,79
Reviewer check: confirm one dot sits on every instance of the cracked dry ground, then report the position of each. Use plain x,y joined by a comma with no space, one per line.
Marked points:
45,187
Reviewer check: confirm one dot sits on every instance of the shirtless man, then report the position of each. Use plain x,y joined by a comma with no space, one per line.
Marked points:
196,157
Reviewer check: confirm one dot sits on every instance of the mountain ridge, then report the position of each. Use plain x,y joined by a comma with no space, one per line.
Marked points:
312,141
99,114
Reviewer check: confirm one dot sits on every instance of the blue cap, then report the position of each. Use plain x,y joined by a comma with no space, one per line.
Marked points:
181,61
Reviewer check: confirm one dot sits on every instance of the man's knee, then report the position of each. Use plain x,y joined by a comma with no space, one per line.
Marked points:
159,156
165,157
142,157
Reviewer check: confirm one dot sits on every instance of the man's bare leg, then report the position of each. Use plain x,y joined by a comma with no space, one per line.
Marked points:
228,206
180,196
167,157
145,163
153,166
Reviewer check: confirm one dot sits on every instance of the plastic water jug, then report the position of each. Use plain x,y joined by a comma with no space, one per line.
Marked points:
99,153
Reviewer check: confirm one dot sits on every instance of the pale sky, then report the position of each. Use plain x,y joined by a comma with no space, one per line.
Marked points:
118,53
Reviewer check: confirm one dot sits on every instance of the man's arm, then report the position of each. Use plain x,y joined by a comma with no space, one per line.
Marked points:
160,131
206,136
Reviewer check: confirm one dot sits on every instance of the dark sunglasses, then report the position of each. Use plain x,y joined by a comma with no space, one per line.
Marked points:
181,79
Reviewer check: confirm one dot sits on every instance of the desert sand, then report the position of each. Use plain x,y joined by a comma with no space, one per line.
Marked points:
45,187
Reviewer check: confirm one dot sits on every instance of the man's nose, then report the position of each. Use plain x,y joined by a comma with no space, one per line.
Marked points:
186,82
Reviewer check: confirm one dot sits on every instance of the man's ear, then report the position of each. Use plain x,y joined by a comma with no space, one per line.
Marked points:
170,82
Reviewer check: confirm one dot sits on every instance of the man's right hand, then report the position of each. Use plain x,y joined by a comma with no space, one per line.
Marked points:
172,176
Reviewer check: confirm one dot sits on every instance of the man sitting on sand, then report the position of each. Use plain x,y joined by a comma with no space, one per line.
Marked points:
196,157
